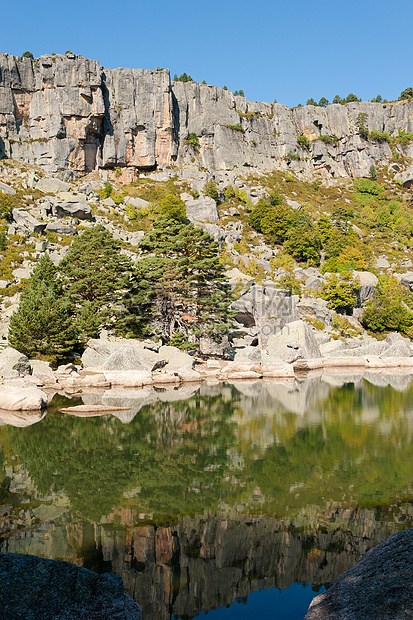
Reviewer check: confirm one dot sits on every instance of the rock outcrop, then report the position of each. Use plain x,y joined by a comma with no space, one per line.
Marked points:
33,587
69,113
379,586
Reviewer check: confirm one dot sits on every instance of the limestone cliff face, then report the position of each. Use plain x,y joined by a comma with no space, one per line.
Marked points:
67,112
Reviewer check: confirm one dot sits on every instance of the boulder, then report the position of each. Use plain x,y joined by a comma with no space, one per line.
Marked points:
265,307
248,355
60,229
27,221
78,209
32,587
6,189
399,349
21,395
405,177
10,359
42,373
204,209
126,367
139,203
292,342
96,353
378,586
22,273
382,263
51,185
368,284
177,360
406,279
314,308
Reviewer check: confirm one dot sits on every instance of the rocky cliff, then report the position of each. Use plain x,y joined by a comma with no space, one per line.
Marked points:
69,113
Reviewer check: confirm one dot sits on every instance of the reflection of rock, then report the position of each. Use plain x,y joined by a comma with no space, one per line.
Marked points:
199,563
21,418
60,590
379,586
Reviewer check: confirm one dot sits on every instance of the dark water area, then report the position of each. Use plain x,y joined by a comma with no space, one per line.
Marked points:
216,500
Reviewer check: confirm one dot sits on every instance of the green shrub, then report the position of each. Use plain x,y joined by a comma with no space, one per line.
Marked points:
328,139
361,124
229,192
366,186
373,173
106,191
6,206
404,138
303,242
237,127
351,97
378,136
171,206
28,55
293,156
303,141
291,283
3,241
211,189
407,93
183,78
341,293
389,309
193,140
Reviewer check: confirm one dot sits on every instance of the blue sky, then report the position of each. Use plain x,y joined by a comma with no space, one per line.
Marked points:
288,51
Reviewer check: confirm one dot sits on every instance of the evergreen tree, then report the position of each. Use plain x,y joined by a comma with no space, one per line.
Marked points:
42,325
95,277
180,283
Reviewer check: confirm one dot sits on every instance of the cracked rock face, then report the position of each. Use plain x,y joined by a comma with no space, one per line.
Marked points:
34,587
68,112
379,586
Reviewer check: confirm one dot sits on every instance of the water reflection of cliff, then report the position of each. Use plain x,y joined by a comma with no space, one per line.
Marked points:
205,562
199,501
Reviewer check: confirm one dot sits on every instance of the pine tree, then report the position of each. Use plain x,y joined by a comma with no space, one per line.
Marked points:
179,284
42,325
95,276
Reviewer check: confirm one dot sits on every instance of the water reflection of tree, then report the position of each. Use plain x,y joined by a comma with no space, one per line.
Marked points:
174,453
186,457
349,456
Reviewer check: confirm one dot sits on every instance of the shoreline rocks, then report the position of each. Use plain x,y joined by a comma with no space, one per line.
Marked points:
129,363
378,586
32,587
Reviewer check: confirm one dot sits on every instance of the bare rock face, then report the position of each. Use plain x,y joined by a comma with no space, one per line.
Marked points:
294,341
204,209
33,587
379,586
11,359
69,113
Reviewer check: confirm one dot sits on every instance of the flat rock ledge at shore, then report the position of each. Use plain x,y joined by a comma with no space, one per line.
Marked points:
32,587
379,586
25,385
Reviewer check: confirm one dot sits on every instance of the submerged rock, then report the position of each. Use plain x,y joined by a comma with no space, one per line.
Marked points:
32,587
379,586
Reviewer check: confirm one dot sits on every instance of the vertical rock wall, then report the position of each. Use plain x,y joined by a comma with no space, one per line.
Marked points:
68,112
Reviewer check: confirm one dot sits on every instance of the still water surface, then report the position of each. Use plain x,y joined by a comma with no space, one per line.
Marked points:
219,500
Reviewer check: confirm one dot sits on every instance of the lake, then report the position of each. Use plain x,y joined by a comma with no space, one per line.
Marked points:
225,500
